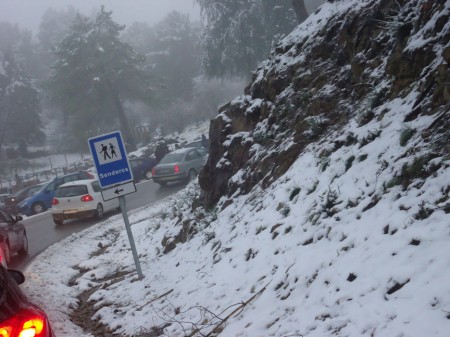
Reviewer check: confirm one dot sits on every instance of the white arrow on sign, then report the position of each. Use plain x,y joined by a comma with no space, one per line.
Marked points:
118,190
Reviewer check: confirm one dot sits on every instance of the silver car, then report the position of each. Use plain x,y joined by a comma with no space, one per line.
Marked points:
180,165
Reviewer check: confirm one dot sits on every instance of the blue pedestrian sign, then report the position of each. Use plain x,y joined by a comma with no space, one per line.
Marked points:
110,159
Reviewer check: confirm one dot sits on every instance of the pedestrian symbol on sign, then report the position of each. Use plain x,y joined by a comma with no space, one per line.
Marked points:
113,150
106,150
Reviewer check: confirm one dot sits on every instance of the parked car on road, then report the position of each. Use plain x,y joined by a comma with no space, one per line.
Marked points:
180,165
80,199
3,198
200,142
5,190
13,236
41,200
12,201
19,317
142,168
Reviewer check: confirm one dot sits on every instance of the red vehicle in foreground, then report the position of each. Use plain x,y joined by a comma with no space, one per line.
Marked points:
18,316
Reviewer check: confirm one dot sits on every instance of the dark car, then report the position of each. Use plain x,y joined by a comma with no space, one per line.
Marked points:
201,142
142,168
18,315
180,165
5,190
3,198
13,236
41,200
12,200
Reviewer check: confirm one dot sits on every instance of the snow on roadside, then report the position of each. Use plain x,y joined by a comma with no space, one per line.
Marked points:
327,249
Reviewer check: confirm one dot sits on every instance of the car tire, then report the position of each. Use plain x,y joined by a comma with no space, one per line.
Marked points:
37,207
99,213
192,175
24,250
148,175
58,222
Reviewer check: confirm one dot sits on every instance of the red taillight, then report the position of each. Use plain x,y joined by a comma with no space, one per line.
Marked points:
90,175
176,169
153,171
26,323
54,202
86,198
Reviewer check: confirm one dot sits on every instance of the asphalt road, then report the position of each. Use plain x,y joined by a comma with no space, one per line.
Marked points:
42,232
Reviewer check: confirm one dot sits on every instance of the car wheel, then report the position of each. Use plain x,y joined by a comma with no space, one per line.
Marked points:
148,175
192,175
58,222
24,249
37,208
99,212
6,253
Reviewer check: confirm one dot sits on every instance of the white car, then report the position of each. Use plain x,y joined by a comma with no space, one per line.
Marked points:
80,199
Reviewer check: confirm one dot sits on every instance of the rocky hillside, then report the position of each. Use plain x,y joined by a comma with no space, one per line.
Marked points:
346,65
324,208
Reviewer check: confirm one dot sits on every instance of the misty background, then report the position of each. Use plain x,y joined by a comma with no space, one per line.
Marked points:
70,70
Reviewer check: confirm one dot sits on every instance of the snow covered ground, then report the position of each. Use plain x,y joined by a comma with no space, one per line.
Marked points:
327,250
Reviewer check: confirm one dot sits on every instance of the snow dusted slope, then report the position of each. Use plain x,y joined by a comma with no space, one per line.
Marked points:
351,239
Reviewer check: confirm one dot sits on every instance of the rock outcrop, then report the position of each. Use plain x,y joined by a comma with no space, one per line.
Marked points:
317,81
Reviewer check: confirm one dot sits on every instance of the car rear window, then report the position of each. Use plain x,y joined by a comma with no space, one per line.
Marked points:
172,158
33,190
71,191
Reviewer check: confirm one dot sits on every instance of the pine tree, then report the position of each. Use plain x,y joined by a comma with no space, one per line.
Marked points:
239,33
94,75
20,107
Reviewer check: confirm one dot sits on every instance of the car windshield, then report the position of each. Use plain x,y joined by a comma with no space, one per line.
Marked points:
172,158
71,191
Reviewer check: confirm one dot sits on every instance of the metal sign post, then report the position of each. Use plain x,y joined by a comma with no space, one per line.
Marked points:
114,172
123,208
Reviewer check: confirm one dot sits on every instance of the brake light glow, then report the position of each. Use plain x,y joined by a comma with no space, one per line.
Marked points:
55,201
86,198
26,323
153,171
176,169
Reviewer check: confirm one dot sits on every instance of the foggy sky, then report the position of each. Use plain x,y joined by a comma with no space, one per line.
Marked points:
28,13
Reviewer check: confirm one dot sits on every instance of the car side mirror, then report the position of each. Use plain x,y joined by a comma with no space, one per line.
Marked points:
19,218
18,276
